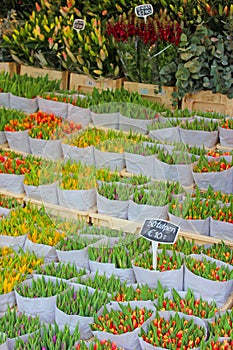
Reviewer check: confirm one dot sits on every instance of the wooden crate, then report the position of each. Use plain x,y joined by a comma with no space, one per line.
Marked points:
83,84
147,91
9,67
207,101
52,74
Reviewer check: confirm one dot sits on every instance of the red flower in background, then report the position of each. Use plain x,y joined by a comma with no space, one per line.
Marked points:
156,28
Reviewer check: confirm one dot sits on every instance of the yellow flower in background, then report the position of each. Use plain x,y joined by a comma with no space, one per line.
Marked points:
6,251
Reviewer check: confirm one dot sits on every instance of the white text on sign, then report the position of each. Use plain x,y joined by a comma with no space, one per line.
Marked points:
144,10
162,226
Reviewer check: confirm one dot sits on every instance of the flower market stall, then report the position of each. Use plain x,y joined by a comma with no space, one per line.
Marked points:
116,176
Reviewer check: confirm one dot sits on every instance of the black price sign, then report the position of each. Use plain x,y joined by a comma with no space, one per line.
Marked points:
144,10
79,24
160,231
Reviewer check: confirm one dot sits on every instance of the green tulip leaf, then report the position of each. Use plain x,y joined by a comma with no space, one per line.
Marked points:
86,71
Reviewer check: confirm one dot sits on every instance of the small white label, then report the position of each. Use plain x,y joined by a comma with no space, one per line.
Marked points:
144,10
144,91
90,82
79,24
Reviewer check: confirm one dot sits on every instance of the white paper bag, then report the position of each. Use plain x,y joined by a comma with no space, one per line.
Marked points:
115,208
219,291
111,160
77,199
107,120
84,155
139,212
59,109
28,105
129,340
171,134
12,183
41,250
138,164
44,193
50,149
79,115
18,140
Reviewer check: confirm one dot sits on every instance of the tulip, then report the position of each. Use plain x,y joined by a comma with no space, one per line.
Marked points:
14,324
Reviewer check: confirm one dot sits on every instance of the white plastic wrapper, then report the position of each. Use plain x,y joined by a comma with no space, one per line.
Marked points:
107,120
28,105
4,211
174,172
15,242
221,230
18,140
115,208
4,346
78,257
5,99
219,181
201,138
84,155
2,136
12,183
226,137
170,279
138,212
199,227
79,115
134,125
77,199
59,109
46,148
111,160
43,307
167,315
171,134
130,340
219,291
44,193
41,250
138,164
6,300
126,274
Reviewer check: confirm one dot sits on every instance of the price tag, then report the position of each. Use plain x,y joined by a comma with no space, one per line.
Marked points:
159,231
144,10
79,24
